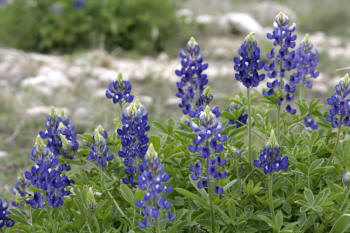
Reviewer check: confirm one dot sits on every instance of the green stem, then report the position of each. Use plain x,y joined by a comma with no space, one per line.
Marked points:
49,213
271,198
249,130
96,222
117,206
346,195
237,173
210,192
336,143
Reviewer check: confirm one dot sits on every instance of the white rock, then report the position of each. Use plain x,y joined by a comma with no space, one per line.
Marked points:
187,14
240,23
43,111
147,100
172,101
3,154
205,19
266,11
47,77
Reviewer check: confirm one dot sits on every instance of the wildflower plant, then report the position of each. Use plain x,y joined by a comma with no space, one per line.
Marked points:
247,67
282,58
134,140
194,178
152,179
339,114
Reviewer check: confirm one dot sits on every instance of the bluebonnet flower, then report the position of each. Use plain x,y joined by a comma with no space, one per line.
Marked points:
152,179
21,186
281,60
99,149
346,177
120,91
310,123
339,113
62,139
306,59
248,64
133,138
242,119
47,175
208,144
193,81
272,159
4,220
57,9
3,2
78,4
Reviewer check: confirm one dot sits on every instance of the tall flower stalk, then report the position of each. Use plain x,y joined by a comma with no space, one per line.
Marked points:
281,62
272,160
208,144
247,67
339,114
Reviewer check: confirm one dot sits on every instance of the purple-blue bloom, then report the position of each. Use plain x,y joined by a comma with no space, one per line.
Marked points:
48,175
339,113
242,119
152,179
272,159
306,60
120,91
208,143
193,81
310,123
133,138
78,4
281,60
248,64
4,220
99,149
62,139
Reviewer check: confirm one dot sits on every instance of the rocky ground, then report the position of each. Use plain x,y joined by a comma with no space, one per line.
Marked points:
31,83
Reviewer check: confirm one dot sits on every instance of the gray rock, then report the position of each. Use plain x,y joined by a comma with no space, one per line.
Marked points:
205,19
3,154
267,11
240,23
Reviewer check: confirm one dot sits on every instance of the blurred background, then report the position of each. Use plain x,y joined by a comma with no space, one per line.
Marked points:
64,53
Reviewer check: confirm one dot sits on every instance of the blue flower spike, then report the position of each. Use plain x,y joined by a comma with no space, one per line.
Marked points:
192,87
306,60
4,212
99,150
134,140
272,159
152,179
120,91
247,66
282,61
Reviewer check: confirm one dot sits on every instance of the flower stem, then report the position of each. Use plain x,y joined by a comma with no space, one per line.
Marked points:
336,143
210,192
346,194
271,198
237,173
249,130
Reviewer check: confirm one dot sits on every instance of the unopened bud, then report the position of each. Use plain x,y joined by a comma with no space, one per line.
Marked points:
281,20
90,198
346,80
272,140
207,116
346,177
192,42
151,153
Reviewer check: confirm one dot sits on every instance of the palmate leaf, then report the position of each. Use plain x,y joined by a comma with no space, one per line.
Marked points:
192,196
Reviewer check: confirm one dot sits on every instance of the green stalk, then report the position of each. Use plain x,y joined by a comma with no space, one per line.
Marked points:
336,143
210,192
271,198
237,172
346,194
249,130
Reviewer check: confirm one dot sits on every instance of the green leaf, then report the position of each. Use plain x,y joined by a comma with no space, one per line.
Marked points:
192,196
279,219
17,216
155,140
309,196
127,194
342,224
